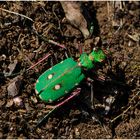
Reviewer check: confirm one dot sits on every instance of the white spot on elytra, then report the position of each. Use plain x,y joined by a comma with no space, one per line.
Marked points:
61,62
50,68
37,81
76,84
50,76
66,91
57,87
36,91
50,100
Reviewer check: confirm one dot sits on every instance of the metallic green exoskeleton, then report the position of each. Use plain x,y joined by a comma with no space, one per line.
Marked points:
60,79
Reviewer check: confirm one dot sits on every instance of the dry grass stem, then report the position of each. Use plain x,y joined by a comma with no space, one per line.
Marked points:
16,14
126,109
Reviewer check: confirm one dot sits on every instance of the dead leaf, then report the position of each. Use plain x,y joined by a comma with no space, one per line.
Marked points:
14,86
73,13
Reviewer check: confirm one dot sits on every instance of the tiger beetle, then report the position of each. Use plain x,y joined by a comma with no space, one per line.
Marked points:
58,81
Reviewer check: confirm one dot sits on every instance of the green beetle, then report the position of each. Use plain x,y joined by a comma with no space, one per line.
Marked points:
60,79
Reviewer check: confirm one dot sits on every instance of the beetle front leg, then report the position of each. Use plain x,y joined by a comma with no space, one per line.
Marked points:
90,83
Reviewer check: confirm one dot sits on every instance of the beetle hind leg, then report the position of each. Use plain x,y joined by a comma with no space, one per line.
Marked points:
73,94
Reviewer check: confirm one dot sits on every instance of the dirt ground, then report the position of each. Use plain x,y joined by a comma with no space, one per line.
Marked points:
20,47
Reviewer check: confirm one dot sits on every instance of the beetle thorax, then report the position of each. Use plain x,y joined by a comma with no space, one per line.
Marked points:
86,61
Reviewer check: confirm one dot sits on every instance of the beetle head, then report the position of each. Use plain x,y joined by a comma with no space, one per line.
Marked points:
97,55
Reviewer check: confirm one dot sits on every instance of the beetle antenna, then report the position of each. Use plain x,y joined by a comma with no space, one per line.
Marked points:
90,81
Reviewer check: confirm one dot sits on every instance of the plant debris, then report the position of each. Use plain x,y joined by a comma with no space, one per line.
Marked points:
14,86
78,20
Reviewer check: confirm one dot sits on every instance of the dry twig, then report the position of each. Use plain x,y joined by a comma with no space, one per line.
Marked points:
59,23
126,109
16,14
45,57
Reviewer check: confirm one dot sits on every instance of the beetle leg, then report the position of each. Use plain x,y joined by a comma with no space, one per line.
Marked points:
74,93
92,97
50,106
90,81
88,111
108,104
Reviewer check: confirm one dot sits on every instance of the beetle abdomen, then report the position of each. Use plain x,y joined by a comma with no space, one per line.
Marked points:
57,81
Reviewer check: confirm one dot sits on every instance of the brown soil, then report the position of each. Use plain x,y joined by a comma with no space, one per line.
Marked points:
19,42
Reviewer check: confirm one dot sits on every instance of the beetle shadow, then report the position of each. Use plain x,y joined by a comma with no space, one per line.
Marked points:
123,92
115,86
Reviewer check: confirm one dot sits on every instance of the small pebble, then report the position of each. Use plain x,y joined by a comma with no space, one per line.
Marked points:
18,101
